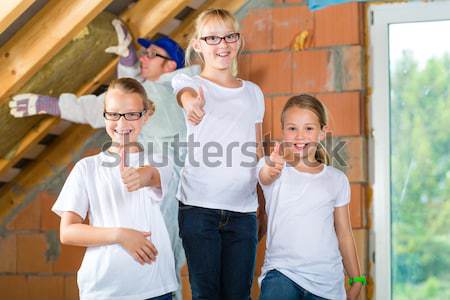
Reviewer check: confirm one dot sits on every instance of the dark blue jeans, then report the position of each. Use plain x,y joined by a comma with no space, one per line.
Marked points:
276,286
168,296
220,248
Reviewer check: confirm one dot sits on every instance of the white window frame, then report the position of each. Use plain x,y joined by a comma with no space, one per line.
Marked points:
380,16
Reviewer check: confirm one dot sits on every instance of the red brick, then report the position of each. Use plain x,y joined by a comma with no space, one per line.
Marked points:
8,253
69,259
313,72
244,66
351,75
31,253
357,205
91,152
49,220
186,288
184,270
344,113
29,217
288,22
46,287
338,25
70,288
277,107
288,1
272,72
257,30
354,154
260,251
14,287
267,123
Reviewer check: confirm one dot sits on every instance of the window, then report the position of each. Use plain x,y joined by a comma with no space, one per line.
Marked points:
410,149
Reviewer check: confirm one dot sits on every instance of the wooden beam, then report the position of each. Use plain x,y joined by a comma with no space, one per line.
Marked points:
183,32
56,157
146,17
43,36
144,20
31,139
11,10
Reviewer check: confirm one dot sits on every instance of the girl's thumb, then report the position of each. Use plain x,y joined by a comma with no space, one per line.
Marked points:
276,149
201,96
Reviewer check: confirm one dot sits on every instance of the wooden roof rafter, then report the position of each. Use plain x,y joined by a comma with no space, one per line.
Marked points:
11,10
41,38
15,192
145,18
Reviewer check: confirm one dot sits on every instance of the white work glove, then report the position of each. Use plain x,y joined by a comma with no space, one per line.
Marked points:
123,40
24,105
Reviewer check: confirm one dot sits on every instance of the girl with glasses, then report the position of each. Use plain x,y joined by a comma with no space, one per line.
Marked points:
218,201
128,254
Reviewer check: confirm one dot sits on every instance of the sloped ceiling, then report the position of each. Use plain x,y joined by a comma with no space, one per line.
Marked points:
49,49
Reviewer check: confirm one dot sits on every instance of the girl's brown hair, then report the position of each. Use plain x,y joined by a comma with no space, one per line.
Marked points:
130,86
220,15
311,103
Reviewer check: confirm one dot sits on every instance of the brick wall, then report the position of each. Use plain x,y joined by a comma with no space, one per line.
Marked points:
330,67
34,265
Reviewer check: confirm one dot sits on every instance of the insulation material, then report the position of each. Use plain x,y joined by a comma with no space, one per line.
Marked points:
75,65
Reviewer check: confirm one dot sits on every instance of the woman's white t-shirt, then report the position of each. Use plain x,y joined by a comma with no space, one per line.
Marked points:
301,239
220,166
95,189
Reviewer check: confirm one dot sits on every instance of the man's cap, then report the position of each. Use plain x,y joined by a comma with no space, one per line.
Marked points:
175,52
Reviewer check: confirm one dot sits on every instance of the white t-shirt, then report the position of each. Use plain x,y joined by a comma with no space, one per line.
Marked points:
301,239
226,179
109,272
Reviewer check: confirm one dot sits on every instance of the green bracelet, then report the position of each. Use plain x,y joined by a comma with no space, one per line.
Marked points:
361,279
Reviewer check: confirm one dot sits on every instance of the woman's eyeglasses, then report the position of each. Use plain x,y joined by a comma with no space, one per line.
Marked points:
130,116
216,40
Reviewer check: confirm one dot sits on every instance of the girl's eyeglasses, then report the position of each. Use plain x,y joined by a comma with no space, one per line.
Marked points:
130,116
216,40
152,53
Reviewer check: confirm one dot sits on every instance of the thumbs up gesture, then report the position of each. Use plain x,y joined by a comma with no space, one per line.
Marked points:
276,162
133,178
194,103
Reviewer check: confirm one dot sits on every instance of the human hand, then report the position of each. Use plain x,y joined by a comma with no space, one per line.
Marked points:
137,244
24,105
194,106
276,162
133,178
124,39
353,292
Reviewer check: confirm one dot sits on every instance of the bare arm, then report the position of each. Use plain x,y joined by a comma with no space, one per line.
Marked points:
193,103
74,232
136,178
272,168
347,247
259,145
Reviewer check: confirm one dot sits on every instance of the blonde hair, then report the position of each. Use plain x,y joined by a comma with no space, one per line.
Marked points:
312,104
217,14
130,86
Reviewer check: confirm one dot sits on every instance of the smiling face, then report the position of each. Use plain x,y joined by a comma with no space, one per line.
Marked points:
118,101
302,133
153,67
221,56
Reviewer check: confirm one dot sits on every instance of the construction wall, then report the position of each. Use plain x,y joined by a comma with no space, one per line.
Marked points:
331,67
34,265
